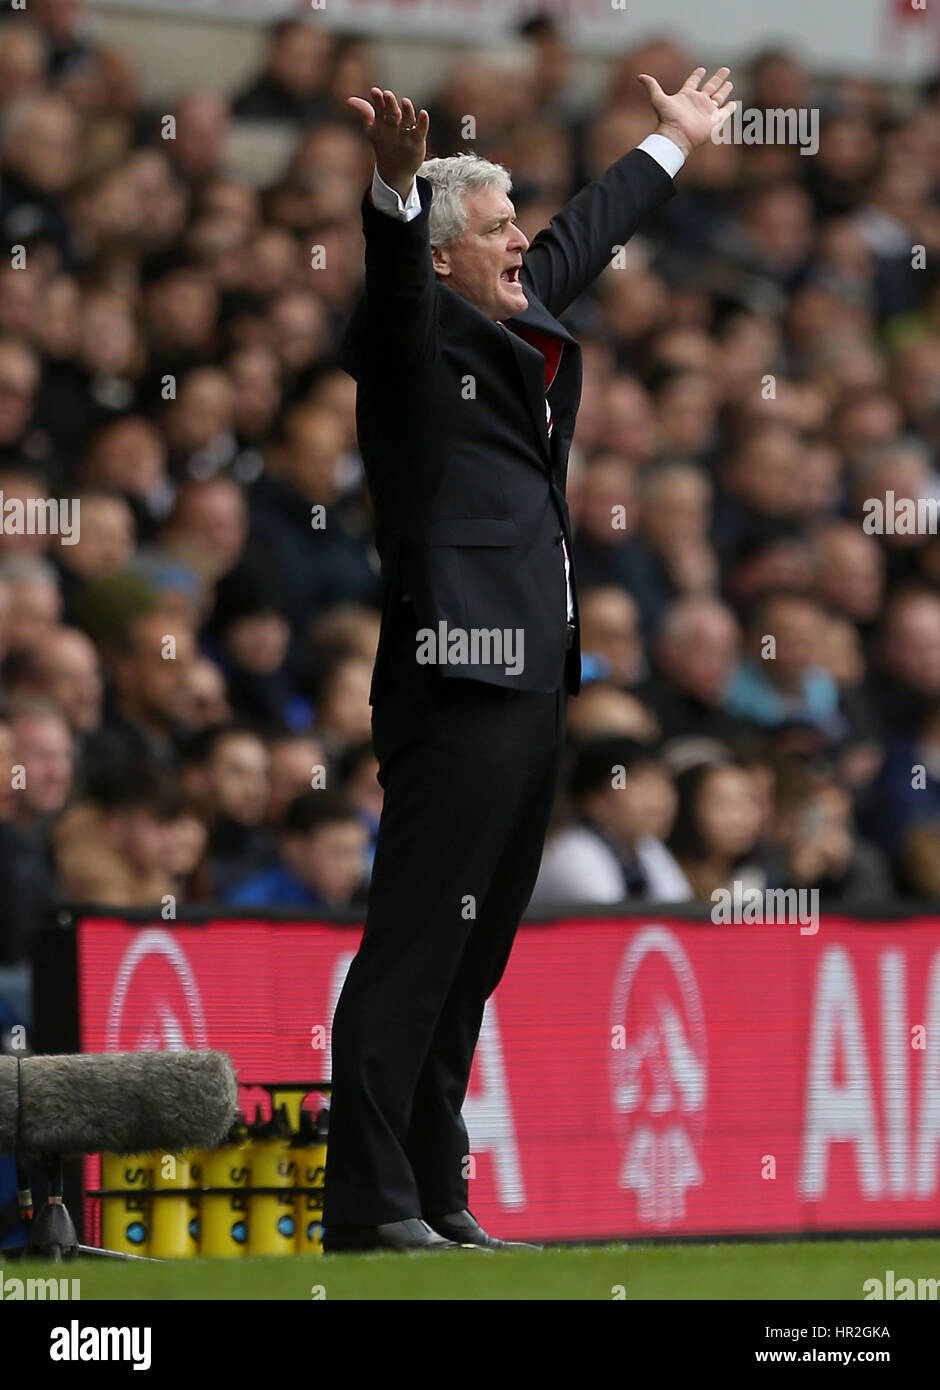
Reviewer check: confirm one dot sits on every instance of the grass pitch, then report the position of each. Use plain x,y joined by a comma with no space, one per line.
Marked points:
790,1270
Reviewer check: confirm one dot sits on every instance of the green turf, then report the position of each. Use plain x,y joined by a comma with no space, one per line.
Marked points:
817,1270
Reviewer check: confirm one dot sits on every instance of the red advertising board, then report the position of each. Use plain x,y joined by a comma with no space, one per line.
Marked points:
634,1077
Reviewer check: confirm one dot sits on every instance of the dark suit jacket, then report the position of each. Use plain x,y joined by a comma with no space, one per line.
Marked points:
467,485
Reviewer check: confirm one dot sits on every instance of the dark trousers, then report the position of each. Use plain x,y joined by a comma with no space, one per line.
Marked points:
469,774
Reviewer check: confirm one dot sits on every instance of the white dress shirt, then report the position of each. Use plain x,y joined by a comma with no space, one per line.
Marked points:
387,200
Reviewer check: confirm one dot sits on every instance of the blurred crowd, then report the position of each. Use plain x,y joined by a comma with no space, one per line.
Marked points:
185,688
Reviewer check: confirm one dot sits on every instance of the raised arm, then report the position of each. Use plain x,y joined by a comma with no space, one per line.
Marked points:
399,308
579,242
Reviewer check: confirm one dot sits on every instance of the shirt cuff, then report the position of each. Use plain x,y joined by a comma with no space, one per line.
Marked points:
666,154
388,201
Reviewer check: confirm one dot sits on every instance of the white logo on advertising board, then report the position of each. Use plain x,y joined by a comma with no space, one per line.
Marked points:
659,1074
170,1015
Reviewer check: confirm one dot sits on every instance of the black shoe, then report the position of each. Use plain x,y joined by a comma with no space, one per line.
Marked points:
462,1226
413,1234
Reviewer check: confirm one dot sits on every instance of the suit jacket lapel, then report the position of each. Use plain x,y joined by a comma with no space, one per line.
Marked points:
531,366
531,363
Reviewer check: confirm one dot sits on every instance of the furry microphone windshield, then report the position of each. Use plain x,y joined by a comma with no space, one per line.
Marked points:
118,1102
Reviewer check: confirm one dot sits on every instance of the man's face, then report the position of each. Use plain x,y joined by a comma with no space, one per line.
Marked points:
331,860
483,264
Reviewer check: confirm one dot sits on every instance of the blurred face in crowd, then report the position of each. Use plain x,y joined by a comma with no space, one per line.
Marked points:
635,303
206,697
22,63
628,421
644,805
910,642
842,652
145,841
150,685
728,812
607,501
59,18
797,625
906,473
69,673
188,839
849,572
483,264
181,309
363,789
686,411
239,778
41,143
764,472
202,121
60,318
610,628
44,747
866,422
311,456
343,711
35,609
256,377
331,860
781,224
257,642
298,56
19,377
26,490
19,300
212,518
295,762
675,507
332,164
204,409
107,537
602,709
698,648
128,456
335,392
161,198
108,334
298,329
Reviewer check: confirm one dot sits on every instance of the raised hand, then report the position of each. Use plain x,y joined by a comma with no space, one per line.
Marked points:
398,136
690,117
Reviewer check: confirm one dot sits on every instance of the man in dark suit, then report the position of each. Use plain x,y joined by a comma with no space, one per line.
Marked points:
468,387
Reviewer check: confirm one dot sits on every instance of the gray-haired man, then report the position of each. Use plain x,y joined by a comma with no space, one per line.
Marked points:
468,387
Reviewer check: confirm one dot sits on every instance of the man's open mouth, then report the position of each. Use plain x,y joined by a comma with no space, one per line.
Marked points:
511,276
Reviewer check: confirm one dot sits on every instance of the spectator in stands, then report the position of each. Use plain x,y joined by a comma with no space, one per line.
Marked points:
624,804
358,771
147,665
65,669
227,779
116,848
298,764
717,828
817,843
783,675
610,634
289,87
322,858
695,657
